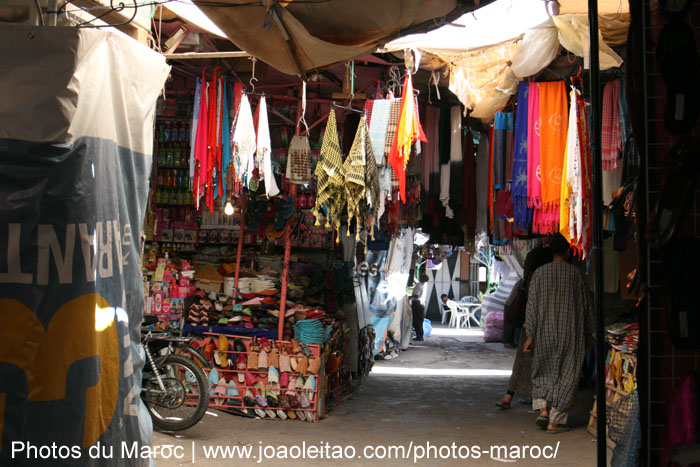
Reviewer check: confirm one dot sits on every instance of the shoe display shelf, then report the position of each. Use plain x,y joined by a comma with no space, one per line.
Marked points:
282,386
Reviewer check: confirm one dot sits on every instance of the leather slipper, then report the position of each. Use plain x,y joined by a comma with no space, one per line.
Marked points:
503,405
542,422
561,429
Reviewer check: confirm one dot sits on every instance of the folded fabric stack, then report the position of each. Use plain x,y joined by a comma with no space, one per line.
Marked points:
255,284
623,336
309,331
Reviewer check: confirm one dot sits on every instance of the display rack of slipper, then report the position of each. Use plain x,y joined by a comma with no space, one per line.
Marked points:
339,382
264,378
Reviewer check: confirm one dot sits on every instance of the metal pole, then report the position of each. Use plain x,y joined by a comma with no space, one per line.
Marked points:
239,250
597,235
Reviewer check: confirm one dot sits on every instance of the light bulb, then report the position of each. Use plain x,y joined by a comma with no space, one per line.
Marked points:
228,209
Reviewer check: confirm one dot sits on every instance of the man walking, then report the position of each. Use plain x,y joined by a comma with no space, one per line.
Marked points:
559,325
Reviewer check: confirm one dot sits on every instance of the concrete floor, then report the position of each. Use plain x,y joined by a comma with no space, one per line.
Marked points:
441,392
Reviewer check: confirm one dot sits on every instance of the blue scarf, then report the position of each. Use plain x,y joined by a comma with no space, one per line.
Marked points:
521,213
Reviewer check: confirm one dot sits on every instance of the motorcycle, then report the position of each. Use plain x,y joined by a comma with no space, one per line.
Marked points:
174,388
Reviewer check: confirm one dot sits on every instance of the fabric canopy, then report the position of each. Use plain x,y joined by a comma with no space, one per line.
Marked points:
300,37
486,52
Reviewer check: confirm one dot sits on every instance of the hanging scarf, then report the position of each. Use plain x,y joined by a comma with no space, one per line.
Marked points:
534,186
378,128
554,122
482,177
200,153
193,127
503,127
490,190
431,158
225,142
571,205
611,136
469,188
522,214
212,143
408,130
330,177
355,167
218,181
244,145
587,189
264,150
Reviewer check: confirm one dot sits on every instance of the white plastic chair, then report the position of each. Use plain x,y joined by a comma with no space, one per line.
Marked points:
456,315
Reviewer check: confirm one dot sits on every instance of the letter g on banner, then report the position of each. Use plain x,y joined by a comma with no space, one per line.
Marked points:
81,329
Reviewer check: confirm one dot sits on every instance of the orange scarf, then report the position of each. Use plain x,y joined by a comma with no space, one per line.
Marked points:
407,131
554,114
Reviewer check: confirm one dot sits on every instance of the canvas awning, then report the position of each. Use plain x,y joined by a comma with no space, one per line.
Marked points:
486,52
297,37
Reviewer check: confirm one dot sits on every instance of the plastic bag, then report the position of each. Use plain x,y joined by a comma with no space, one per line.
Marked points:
537,50
427,327
493,327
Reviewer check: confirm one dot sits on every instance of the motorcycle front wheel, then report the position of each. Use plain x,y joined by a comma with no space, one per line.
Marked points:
185,399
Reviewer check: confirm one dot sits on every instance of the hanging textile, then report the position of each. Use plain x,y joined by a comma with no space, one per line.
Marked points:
212,142
264,150
469,189
330,176
503,150
369,106
225,141
587,189
554,122
456,191
522,215
482,175
408,130
201,143
378,128
571,205
490,191
299,160
193,127
611,135
445,189
244,144
534,187
357,192
431,158
216,175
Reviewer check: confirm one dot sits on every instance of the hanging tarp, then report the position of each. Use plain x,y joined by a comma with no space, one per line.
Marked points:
76,143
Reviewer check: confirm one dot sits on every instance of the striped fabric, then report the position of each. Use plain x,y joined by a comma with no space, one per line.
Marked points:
496,300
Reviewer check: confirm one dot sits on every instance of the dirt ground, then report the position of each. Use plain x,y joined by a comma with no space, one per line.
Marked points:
438,394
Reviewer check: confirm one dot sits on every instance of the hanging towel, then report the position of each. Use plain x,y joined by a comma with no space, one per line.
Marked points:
244,144
534,186
408,130
522,214
553,127
225,141
611,136
378,128
503,127
264,150
193,127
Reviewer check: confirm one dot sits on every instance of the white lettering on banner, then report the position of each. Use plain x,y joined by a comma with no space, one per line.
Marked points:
14,274
48,242
100,250
105,251
88,243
